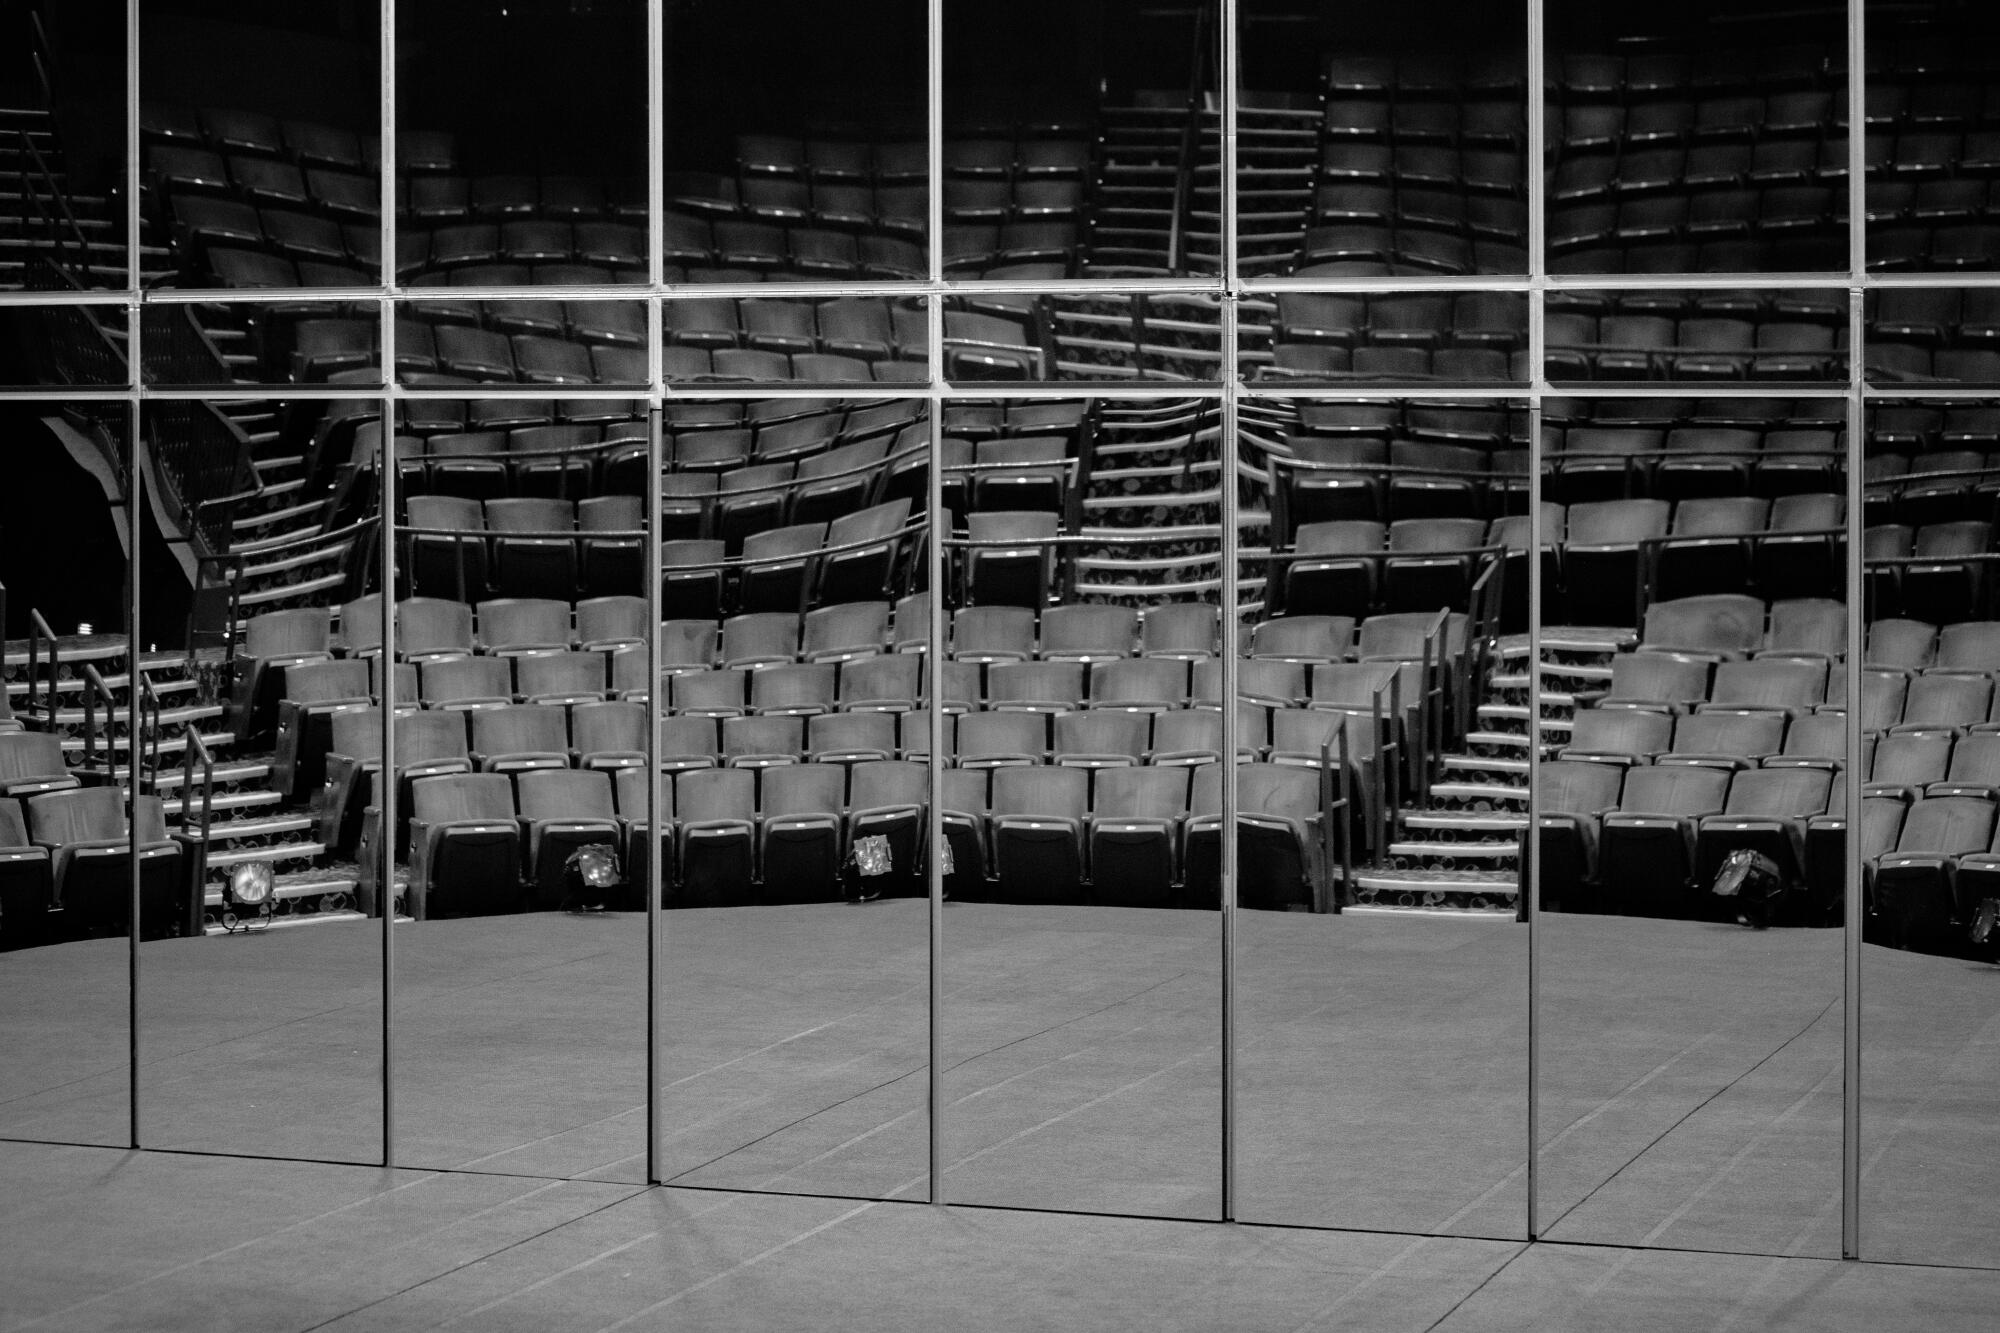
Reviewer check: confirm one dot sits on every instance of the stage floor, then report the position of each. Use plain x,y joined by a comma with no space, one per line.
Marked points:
1690,1095
102,1239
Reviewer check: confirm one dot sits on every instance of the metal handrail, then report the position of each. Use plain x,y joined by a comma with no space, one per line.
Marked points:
94,689
148,737
38,631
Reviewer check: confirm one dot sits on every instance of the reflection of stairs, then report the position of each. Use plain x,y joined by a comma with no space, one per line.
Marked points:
1277,164
1154,468
32,223
1461,848
1138,162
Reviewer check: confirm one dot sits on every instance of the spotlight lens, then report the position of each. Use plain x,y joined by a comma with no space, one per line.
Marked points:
251,883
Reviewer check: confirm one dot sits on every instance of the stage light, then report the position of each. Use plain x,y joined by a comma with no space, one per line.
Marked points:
247,894
1753,880
1986,923
588,875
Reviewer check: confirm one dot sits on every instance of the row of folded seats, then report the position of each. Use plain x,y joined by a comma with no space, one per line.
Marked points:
485,842
66,856
1649,840
1592,555
851,339
226,220
1351,475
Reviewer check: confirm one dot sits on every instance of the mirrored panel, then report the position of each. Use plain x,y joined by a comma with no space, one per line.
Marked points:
797,141
1081,788
1382,787
520,743
212,345
494,169
1920,334
259,130
63,150
263,1019
1691,723
68,346
1336,337
1925,842
792,747
1715,335
1101,338
1705,138
65,749
1377,141
1095,156
1933,137
823,340
443,340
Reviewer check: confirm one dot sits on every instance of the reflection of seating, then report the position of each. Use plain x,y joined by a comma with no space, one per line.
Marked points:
717,809
465,846
1037,832
800,816
1914,884
1646,854
562,810
1134,835
91,860
1574,799
26,891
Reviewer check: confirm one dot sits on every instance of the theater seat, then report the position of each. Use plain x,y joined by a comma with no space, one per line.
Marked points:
1037,824
717,810
465,846
85,832
1574,798
1134,835
562,810
800,816
1646,857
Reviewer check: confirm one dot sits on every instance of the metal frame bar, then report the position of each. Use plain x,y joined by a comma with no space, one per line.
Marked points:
1535,164
933,840
1232,374
1857,614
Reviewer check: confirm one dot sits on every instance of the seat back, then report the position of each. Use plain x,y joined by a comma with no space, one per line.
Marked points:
81,814
1089,631
885,782
1141,793
1725,623
565,793
716,793
1946,826
603,728
560,674
1101,732
1620,731
747,737
1569,787
999,735
804,789
520,729
1674,789
462,796
345,681
1779,793
1304,638
1059,793
523,622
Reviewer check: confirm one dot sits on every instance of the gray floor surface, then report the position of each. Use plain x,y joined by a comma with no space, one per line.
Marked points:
1690,1101
102,1239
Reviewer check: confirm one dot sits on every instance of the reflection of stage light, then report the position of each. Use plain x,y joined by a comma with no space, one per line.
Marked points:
1752,879
590,871
1986,922
246,896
